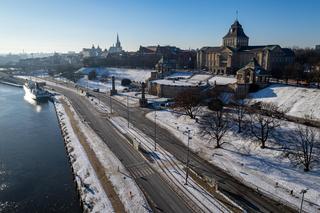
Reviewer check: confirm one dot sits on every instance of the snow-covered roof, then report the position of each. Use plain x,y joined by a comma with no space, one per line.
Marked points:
200,77
180,75
222,80
181,82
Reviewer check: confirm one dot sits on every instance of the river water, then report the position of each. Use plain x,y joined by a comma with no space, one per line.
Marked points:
34,172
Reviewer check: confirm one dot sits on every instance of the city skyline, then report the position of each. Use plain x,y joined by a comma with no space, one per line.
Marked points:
35,26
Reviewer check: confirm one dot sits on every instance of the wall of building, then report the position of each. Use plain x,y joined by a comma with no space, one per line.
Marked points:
170,91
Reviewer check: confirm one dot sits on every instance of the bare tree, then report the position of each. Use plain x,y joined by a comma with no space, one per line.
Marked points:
264,119
215,124
240,110
315,76
304,149
188,102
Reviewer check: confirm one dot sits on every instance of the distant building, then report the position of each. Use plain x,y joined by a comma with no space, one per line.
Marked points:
317,48
93,52
178,82
179,59
116,48
235,53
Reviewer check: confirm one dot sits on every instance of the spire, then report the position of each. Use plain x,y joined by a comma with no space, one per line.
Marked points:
237,15
118,44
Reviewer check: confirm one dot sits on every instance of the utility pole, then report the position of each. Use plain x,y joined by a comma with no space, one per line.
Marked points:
155,130
188,153
110,103
302,192
128,110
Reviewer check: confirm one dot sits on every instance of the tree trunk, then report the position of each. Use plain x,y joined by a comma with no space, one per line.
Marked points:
239,127
218,144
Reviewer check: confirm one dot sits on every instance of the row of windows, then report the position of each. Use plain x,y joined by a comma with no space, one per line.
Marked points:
233,41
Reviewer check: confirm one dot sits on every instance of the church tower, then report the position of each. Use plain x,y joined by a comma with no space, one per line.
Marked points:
118,44
236,38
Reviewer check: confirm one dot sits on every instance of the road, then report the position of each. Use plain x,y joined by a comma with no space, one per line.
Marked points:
161,197
246,197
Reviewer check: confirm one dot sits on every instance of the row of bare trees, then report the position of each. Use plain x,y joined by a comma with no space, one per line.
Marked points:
260,120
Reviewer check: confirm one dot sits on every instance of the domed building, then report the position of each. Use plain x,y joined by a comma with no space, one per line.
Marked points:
235,53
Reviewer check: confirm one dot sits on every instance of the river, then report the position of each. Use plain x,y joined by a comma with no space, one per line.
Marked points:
35,175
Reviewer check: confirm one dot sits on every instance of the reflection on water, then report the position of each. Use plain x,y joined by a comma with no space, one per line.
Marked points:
36,103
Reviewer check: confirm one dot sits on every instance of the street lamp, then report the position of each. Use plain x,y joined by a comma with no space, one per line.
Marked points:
110,103
128,110
188,153
302,192
155,130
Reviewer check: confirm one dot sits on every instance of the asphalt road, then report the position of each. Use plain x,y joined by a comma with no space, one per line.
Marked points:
161,197
250,199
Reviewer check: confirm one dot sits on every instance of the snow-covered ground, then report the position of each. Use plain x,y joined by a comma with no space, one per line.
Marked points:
297,101
138,75
266,169
92,194
125,187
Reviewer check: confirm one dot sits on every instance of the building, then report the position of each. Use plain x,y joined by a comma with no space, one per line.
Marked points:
93,52
184,59
178,82
235,53
253,73
317,48
116,49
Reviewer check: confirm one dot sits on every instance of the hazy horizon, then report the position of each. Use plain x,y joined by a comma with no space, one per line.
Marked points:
46,27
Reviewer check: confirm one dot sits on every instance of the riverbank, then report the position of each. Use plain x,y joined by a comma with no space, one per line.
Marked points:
92,196
10,80
117,191
10,84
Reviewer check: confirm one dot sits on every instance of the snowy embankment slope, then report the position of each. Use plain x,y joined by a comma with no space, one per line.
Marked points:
297,101
92,194
125,187
266,169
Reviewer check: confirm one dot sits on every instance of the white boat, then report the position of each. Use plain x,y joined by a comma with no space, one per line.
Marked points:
34,91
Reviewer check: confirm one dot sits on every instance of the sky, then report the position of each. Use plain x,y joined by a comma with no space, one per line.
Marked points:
70,25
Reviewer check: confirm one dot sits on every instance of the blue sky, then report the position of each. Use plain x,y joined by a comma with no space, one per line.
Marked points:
62,25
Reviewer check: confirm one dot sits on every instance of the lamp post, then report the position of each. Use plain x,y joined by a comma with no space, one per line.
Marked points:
128,110
188,153
302,192
110,103
155,130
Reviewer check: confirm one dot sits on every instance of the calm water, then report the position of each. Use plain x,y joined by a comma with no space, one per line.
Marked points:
34,171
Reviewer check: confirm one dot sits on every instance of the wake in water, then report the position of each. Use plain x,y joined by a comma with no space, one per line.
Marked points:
33,102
